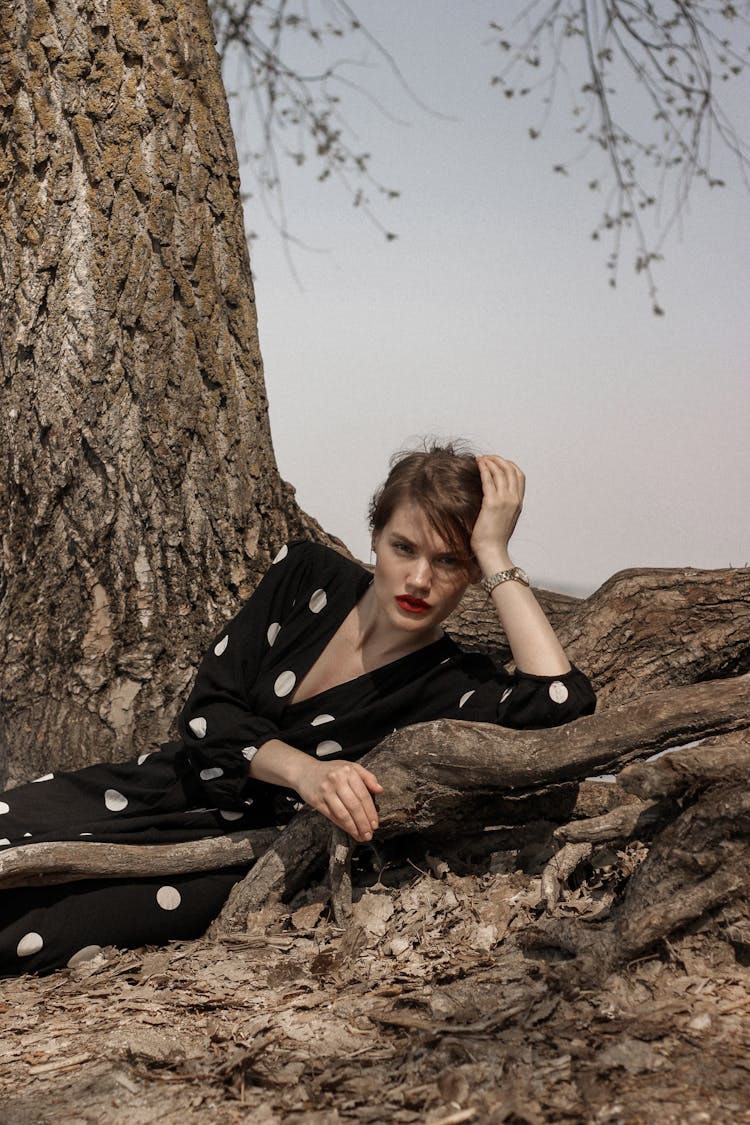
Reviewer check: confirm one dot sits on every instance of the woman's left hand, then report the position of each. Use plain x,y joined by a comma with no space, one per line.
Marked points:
503,485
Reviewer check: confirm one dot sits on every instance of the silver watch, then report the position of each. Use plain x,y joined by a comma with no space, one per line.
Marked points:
515,574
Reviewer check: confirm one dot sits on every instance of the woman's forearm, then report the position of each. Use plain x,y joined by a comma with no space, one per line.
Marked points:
532,639
279,763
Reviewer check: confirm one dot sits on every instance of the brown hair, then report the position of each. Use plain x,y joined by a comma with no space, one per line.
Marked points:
444,481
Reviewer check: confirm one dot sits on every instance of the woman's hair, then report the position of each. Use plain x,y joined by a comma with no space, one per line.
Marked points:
444,481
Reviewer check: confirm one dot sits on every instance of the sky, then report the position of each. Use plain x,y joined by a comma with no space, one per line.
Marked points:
490,318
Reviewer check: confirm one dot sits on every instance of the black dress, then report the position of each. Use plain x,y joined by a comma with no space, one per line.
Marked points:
199,787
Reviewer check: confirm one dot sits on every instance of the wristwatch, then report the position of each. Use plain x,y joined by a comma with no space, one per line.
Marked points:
515,574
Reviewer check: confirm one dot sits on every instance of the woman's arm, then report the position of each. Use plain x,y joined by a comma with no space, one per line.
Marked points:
339,790
532,640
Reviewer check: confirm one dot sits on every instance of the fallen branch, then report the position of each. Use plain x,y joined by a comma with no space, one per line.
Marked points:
700,861
431,771
722,759
70,861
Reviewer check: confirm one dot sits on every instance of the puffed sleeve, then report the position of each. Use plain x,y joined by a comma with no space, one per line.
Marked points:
218,725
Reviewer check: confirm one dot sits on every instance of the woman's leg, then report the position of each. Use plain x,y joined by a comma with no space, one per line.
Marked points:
45,928
153,801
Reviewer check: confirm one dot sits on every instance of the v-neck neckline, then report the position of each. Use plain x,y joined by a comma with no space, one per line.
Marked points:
360,588
417,656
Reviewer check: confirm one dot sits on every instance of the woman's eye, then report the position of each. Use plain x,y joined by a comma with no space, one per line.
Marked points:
448,561
403,548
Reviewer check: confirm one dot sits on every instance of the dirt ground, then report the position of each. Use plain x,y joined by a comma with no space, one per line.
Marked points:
425,1009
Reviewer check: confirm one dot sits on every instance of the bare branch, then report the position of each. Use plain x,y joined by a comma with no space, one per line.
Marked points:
676,56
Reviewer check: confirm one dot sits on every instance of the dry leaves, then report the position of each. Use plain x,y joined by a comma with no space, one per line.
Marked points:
423,1011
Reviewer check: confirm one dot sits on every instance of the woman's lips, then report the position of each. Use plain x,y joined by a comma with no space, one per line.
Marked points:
412,605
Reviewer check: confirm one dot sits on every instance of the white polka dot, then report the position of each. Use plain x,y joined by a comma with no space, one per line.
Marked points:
320,719
273,631
85,833
318,601
282,554
198,727
115,801
505,694
29,943
26,834
45,777
142,757
284,683
221,646
248,802
4,807
297,805
249,752
558,692
324,749
465,697
230,814
83,955
168,898
4,842
210,774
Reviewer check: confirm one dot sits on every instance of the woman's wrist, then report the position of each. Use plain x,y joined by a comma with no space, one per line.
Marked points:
493,561
278,763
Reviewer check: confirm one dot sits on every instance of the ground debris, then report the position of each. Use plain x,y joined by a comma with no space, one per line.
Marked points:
424,1010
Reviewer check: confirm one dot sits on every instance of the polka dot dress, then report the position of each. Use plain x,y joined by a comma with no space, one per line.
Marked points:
244,695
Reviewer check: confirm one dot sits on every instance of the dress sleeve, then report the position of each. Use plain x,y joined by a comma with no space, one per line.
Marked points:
523,701
532,702
218,726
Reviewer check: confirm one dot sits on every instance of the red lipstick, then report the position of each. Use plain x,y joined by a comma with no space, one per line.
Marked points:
412,605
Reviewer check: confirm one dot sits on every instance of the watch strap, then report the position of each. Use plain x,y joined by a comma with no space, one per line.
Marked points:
514,574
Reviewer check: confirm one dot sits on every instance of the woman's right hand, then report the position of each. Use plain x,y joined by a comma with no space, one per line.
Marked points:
342,792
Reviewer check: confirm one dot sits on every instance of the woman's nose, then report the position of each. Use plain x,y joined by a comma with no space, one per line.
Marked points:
421,574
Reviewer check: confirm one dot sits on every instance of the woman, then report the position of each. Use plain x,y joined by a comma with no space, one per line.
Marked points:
321,664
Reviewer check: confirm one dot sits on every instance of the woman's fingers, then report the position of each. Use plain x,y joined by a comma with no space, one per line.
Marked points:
346,800
501,476
503,486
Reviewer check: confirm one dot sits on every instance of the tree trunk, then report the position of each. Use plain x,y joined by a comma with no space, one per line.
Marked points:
139,497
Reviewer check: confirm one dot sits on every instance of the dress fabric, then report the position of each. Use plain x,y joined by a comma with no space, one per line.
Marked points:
199,787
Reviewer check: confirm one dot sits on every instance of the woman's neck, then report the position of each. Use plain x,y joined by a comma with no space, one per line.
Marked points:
377,637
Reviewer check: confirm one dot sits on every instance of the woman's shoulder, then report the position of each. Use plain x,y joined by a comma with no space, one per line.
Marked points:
318,555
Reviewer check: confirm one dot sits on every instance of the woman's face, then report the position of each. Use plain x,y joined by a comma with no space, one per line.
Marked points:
419,580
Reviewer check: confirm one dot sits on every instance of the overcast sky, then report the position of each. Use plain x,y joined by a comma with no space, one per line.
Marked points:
490,318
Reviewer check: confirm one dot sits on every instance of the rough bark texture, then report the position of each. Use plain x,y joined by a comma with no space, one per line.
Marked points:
139,496
447,775
641,630
72,860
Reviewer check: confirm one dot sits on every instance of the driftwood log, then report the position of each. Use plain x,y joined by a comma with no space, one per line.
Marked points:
73,860
433,773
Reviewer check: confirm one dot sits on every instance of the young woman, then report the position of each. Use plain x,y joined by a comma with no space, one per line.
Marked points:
319,666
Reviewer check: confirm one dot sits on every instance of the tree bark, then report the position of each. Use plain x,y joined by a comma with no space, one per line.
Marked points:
448,774
69,861
139,495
